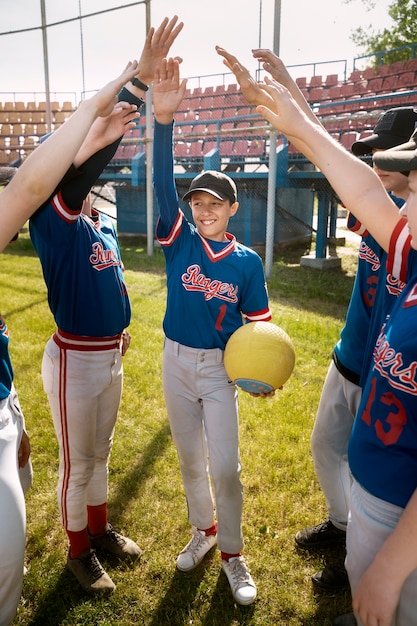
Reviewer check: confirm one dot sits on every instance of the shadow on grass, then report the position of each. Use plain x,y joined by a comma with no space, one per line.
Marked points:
178,603
129,487
55,605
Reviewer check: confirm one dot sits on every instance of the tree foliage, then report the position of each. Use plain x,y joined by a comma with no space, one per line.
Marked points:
403,32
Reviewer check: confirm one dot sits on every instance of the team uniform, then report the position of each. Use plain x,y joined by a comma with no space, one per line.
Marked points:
82,364
210,287
374,292
342,388
12,489
385,432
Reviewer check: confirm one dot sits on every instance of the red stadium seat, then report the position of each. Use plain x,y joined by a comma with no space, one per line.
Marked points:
348,138
331,80
301,82
315,81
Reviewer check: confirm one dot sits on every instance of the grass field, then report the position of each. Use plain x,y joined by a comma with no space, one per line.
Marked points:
146,499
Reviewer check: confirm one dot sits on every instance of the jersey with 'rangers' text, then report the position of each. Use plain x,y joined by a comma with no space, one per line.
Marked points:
211,285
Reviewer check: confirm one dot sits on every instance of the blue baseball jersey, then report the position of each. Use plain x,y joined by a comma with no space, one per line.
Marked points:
80,256
383,446
6,369
373,294
211,286
82,269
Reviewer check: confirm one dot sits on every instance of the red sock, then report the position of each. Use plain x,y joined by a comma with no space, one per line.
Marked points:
226,556
210,531
79,542
97,519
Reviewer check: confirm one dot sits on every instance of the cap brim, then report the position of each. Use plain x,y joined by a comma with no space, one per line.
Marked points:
399,159
188,195
375,142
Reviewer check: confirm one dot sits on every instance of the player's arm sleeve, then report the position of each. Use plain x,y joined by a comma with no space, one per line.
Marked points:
163,177
255,300
74,188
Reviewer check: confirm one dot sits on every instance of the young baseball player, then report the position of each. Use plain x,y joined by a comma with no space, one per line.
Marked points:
31,185
212,282
374,292
381,539
82,365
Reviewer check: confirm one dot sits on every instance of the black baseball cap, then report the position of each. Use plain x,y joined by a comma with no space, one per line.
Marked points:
394,127
400,158
218,184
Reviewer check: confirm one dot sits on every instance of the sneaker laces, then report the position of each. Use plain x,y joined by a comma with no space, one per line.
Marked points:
93,565
196,542
239,571
114,536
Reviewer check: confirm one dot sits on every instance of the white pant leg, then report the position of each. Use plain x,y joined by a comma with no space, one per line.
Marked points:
26,472
84,391
336,412
202,410
185,414
13,512
371,521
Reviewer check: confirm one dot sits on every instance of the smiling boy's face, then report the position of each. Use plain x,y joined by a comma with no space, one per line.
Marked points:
211,215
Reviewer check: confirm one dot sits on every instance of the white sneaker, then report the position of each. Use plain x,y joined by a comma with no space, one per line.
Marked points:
195,550
241,583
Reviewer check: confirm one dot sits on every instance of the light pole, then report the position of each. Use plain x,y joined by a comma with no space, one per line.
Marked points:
272,173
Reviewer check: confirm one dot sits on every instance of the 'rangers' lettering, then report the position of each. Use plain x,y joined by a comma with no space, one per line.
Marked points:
193,280
101,258
390,365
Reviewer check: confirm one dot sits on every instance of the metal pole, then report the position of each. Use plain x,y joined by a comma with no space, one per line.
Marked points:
46,68
149,151
272,174
82,45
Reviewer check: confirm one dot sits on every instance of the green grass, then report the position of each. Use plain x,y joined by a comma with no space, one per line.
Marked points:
146,501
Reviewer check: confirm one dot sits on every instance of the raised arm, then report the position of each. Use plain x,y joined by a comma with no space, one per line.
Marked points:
106,130
157,46
41,172
168,91
252,90
275,66
357,185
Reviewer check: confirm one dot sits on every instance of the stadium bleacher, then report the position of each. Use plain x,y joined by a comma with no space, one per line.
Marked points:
219,117
216,128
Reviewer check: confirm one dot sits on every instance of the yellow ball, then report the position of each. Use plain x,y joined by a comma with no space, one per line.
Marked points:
259,357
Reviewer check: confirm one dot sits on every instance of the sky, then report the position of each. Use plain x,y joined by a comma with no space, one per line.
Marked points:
84,59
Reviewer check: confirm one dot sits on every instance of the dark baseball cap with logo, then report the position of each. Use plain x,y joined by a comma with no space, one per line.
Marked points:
394,127
216,183
399,158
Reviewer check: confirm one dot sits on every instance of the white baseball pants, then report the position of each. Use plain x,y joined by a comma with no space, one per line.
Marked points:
202,407
336,412
13,512
371,521
84,391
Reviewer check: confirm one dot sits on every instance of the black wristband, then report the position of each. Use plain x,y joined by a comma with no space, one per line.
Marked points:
138,83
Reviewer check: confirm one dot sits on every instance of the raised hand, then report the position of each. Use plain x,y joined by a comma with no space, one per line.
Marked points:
274,66
105,99
105,130
157,45
168,90
253,91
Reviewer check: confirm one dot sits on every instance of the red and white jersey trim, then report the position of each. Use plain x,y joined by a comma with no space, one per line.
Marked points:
399,249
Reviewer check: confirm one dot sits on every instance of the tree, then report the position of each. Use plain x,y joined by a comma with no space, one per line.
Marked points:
403,32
